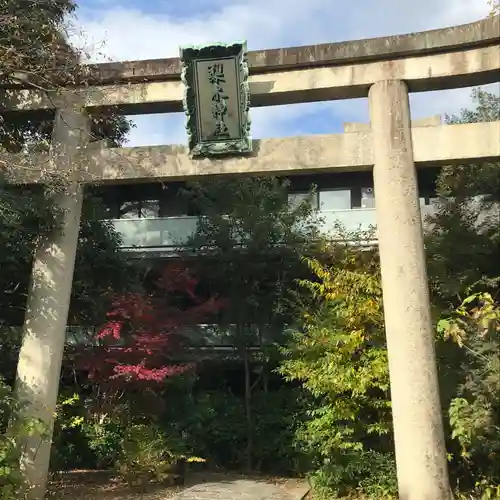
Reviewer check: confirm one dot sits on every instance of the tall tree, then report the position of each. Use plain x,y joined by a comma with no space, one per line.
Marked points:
463,245
35,54
463,248
494,6
144,330
338,354
252,242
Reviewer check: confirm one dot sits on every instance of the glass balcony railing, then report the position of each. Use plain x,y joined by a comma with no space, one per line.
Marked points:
172,232
202,335
355,219
155,233
75,335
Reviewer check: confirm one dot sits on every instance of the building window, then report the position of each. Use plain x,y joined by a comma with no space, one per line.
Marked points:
367,197
149,209
295,199
140,209
335,199
129,210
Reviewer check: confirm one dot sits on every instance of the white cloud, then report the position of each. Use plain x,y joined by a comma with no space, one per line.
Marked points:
153,130
131,34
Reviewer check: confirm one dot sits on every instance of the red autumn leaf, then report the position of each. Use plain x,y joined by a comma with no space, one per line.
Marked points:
139,341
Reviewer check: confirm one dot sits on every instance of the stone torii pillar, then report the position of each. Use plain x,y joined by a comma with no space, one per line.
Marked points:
418,429
44,333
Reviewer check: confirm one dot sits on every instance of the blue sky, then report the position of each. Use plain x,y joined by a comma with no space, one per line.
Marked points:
146,29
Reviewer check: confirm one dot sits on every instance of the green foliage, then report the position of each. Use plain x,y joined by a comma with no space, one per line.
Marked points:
475,411
494,6
35,53
373,472
27,214
101,269
86,436
14,430
24,214
102,438
463,248
257,240
149,454
32,42
463,245
340,358
253,241
278,415
146,455
214,427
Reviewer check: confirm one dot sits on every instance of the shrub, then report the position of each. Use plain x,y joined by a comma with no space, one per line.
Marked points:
215,428
85,437
340,358
147,454
474,412
211,424
277,417
368,473
14,430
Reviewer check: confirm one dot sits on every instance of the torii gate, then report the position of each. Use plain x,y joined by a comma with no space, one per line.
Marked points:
384,69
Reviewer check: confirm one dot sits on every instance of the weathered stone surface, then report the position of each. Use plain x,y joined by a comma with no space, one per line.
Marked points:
44,332
241,489
430,121
440,40
416,410
353,151
454,69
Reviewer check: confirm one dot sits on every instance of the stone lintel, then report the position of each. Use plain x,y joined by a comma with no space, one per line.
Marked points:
433,146
429,121
431,72
479,33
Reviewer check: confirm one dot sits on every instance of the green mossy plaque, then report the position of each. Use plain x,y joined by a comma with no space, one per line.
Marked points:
216,99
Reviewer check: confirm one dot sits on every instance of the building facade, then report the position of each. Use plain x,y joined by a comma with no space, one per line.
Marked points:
156,218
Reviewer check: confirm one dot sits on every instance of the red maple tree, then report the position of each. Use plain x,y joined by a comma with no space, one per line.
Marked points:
143,331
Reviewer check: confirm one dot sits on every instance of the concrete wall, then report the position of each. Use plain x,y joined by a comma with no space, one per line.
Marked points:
430,121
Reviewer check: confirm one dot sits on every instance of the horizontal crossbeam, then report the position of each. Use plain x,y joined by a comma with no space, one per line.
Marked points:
433,145
433,72
467,36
